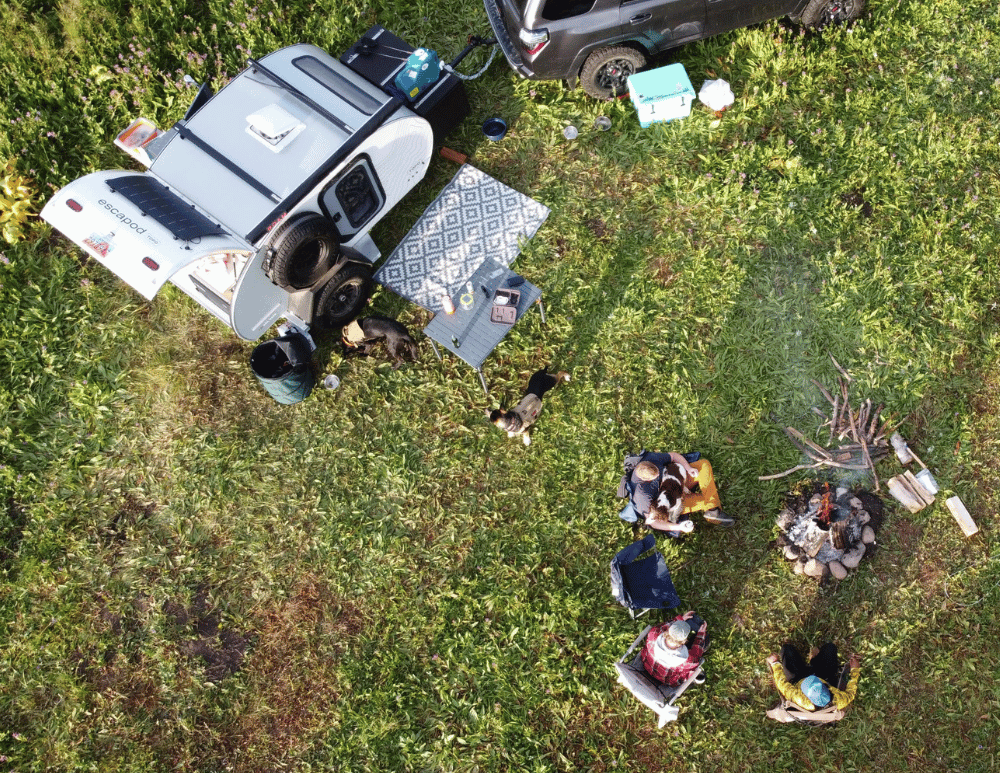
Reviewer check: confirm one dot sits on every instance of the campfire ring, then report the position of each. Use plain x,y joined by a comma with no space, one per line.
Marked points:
827,529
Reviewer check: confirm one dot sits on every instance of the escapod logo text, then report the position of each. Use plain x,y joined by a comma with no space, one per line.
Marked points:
126,220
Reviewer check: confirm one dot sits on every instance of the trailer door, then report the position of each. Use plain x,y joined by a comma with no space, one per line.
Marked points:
257,302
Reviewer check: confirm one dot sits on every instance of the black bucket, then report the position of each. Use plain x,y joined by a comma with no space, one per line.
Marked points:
284,368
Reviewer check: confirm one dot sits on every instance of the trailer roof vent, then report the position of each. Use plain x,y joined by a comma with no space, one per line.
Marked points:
274,127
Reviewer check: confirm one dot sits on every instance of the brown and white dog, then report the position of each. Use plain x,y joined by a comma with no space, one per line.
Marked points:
669,500
518,420
362,335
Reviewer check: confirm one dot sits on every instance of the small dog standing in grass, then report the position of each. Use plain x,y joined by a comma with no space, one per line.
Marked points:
362,335
519,420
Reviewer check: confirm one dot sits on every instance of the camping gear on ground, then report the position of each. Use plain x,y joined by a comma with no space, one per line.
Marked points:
495,129
716,95
284,368
642,584
663,94
647,690
471,232
927,480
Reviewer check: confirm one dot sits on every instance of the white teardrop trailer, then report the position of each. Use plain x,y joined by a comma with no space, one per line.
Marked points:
259,202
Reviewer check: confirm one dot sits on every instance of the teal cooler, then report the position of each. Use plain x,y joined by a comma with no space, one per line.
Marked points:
283,366
661,95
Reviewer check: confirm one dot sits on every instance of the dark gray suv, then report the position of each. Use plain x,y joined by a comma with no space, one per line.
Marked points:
602,42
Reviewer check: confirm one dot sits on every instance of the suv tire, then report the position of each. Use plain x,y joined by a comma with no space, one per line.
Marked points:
303,252
819,13
344,296
605,73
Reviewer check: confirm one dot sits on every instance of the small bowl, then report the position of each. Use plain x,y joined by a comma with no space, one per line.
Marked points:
494,129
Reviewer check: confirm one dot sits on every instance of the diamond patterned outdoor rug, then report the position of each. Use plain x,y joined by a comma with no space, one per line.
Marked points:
473,219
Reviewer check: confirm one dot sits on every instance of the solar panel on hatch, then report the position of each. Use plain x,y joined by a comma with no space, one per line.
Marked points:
156,200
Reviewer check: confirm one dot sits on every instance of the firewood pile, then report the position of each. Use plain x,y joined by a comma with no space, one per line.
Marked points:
826,531
856,434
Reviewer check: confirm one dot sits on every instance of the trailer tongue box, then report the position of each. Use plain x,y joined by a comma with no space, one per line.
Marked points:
379,55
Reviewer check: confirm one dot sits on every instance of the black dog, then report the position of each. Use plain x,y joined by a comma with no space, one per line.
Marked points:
519,420
361,336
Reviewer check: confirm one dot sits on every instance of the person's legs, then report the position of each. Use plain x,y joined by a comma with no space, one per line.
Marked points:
793,664
708,497
824,665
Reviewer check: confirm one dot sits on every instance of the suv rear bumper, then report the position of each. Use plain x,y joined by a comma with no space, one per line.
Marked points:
494,12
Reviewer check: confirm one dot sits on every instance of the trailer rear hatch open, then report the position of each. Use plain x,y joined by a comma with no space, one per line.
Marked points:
135,226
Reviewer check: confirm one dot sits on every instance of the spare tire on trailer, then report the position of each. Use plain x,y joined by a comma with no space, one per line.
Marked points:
303,251
344,296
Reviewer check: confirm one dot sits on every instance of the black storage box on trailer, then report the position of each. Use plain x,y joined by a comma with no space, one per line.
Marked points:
379,56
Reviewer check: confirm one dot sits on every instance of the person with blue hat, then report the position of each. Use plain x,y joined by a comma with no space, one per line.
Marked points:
818,683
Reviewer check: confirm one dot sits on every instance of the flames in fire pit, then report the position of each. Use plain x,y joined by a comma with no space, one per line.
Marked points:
827,530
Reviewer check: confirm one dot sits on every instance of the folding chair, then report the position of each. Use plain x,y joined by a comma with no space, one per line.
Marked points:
786,711
647,690
642,584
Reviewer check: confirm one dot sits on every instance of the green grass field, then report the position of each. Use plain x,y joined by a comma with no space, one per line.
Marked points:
196,578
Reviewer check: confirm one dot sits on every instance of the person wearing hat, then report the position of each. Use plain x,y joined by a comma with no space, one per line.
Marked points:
667,657
818,683
664,488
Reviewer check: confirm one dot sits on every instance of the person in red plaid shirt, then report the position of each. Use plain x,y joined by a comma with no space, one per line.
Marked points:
666,655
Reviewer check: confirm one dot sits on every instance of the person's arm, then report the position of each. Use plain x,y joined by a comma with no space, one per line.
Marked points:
697,649
843,698
684,527
690,471
788,690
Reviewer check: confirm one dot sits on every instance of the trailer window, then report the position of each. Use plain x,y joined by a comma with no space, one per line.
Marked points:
338,84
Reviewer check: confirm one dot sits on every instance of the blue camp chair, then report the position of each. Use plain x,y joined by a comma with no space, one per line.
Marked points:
642,584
